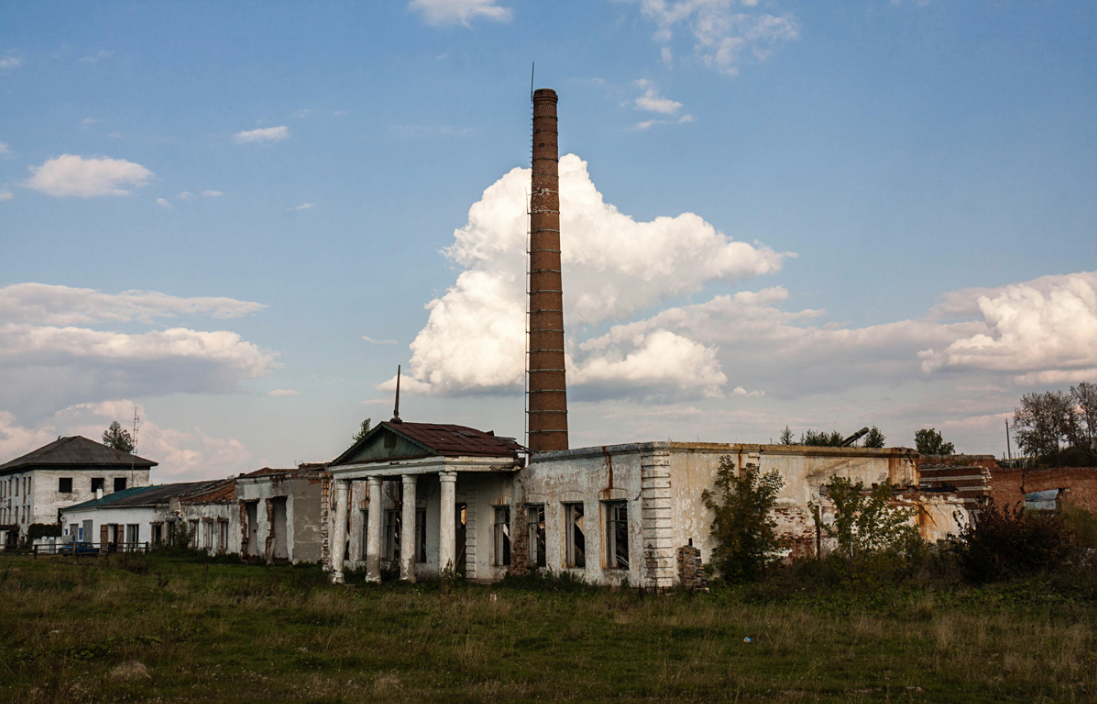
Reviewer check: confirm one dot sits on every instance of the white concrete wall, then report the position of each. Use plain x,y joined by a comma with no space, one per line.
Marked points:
44,500
143,517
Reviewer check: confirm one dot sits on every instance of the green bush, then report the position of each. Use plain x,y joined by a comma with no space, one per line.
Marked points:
1004,542
743,527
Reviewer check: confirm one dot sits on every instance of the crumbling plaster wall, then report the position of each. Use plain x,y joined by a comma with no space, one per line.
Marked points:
215,512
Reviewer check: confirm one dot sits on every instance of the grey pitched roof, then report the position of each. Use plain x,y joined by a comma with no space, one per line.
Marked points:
143,496
74,452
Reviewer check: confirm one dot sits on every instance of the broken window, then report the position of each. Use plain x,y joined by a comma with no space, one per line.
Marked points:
617,535
157,533
64,485
207,534
392,535
133,535
96,484
223,536
575,537
421,535
502,536
535,534
119,483
194,537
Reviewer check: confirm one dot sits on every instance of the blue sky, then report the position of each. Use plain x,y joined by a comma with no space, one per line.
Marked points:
825,215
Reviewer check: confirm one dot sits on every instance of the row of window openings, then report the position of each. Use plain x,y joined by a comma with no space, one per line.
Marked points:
575,538
11,487
64,485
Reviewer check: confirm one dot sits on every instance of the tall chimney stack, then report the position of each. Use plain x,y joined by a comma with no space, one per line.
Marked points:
548,398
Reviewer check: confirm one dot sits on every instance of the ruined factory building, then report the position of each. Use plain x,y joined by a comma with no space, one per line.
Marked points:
67,471
479,505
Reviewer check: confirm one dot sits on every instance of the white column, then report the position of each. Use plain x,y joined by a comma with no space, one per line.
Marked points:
407,530
447,524
373,531
339,540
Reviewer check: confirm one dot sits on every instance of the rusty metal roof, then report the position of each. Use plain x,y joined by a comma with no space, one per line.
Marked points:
76,451
456,440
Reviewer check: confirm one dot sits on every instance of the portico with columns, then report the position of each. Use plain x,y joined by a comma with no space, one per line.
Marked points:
407,496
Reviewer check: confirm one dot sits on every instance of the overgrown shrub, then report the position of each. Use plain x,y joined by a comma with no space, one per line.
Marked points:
743,527
865,521
1003,542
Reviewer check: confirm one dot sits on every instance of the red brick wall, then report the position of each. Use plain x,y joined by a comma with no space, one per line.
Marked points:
1081,483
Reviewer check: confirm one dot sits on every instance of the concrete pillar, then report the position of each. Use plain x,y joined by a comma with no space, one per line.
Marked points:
407,530
339,540
373,530
447,526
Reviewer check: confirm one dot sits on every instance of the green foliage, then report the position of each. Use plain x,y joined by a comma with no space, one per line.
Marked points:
363,430
43,530
875,439
821,438
743,527
865,522
929,442
118,437
1004,542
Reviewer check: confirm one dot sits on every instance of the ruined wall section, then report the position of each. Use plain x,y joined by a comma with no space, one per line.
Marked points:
1078,484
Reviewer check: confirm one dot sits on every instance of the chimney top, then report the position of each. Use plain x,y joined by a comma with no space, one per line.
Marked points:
545,94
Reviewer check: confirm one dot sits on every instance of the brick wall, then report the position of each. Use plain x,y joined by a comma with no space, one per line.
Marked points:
1080,484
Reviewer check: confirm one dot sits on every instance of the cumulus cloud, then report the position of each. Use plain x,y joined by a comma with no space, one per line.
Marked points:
10,60
614,267
5,152
71,175
282,392
722,31
372,341
264,134
50,359
212,194
1043,331
47,304
5,194
163,203
459,11
651,101
181,455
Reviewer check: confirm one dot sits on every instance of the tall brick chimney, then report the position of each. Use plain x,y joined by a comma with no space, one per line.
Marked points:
548,398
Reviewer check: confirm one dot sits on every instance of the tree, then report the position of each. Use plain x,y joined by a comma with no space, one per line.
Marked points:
786,436
1084,396
821,438
743,527
1042,422
118,437
363,431
875,438
929,442
865,522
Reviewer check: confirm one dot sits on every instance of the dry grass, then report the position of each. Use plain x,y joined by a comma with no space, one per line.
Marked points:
209,633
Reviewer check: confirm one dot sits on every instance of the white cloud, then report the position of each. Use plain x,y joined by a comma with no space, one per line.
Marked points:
5,194
722,30
88,122
685,118
5,152
10,60
651,101
648,124
459,11
1044,331
185,195
372,341
96,58
212,194
304,206
71,175
163,203
264,134
47,304
282,392
614,267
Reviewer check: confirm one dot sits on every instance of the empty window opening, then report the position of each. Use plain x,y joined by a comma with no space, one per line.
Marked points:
96,484
157,533
502,536
64,485
461,515
421,535
535,517
617,535
119,483
222,536
575,538
392,536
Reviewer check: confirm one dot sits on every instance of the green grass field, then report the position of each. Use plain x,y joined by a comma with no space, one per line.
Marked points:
213,632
